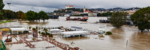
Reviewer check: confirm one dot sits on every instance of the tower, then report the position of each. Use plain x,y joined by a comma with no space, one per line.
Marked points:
84,9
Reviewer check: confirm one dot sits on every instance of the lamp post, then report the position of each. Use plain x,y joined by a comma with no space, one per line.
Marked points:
9,5
9,8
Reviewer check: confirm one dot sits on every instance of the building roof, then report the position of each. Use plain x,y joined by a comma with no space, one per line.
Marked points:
69,5
17,29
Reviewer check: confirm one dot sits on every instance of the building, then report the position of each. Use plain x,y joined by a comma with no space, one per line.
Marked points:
69,6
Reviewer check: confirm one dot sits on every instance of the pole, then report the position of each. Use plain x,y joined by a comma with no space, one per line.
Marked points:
126,44
56,45
10,9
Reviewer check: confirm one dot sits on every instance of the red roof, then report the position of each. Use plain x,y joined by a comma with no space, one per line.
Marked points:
88,11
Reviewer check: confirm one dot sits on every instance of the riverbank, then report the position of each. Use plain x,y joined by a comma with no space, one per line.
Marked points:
5,21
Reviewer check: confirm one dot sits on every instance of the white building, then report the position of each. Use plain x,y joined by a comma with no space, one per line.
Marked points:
69,6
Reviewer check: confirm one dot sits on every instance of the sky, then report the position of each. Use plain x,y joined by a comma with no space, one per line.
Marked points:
51,5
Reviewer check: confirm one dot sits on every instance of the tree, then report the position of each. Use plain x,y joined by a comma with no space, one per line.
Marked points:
43,15
1,8
37,16
20,15
8,14
31,15
141,17
118,19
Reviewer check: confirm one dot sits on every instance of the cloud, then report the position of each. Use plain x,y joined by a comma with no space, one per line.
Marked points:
50,5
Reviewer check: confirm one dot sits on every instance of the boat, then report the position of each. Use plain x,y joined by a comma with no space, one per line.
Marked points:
77,18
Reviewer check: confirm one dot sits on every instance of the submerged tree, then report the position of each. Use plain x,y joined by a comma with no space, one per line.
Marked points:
43,15
31,15
118,19
20,15
141,18
8,14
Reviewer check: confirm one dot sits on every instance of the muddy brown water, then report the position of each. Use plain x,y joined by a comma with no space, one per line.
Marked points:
125,38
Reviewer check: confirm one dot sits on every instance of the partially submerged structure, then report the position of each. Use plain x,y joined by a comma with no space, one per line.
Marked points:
74,33
77,18
55,31
17,30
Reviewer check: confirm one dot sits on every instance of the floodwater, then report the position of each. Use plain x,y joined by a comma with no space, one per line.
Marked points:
125,38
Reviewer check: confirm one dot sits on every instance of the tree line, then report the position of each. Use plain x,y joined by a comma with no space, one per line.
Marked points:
104,14
29,15
140,18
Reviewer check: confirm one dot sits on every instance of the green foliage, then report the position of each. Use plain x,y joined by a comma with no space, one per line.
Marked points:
104,14
6,21
45,30
25,31
30,27
1,8
31,15
33,29
140,18
118,19
33,38
20,15
43,15
39,32
1,4
9,14
50,35
108,33
37,16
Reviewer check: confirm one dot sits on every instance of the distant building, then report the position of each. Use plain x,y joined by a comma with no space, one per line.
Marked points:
130,12
69,6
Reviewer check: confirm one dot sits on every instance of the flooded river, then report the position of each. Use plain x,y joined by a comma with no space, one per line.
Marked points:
125,38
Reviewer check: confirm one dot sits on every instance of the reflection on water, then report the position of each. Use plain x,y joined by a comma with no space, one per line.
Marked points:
76,38
116,41
117,33
139,41
32,23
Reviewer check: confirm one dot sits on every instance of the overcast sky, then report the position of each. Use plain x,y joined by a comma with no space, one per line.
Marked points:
51,5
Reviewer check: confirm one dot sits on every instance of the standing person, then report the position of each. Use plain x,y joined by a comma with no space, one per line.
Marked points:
71,42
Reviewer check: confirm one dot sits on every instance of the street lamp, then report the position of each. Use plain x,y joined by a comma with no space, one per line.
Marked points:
9,8
9,5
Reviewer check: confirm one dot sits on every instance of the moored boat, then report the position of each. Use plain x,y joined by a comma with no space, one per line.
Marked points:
77,18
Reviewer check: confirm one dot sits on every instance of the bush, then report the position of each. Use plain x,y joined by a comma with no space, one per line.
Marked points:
25,31
33,39
39,32
43,33
29,27
33,29
108,33
50,35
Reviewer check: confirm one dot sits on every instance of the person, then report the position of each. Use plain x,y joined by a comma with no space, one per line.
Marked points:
71,42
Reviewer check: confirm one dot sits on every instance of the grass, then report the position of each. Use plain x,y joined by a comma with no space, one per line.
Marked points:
6,21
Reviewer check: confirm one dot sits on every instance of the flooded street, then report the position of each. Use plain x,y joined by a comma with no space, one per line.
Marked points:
125,38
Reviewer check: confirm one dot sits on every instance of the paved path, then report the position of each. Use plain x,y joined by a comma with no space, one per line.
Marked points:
54,42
